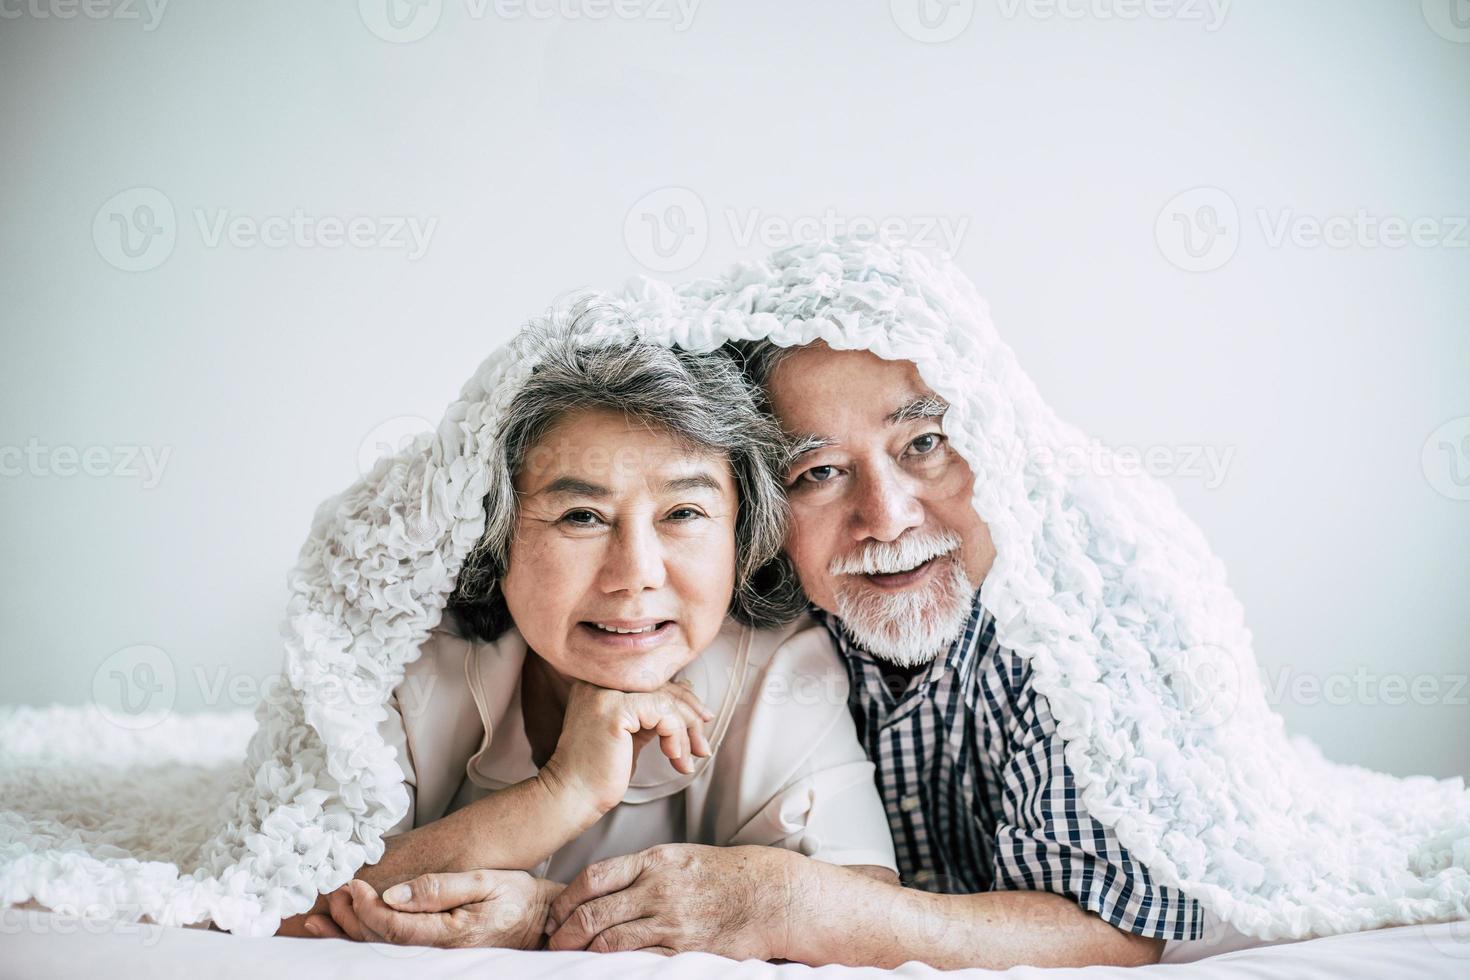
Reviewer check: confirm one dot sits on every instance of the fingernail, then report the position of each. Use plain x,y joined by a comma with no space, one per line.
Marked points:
550,926
312,928
397,894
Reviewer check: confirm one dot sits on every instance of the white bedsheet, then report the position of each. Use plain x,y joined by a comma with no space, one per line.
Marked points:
39,945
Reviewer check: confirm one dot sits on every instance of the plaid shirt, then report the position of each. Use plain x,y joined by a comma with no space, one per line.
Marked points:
979,797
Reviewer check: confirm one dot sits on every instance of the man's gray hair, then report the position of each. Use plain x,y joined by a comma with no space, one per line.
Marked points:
701,399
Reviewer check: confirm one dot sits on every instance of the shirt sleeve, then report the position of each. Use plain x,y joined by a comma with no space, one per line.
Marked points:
804,782
395,735
1046,840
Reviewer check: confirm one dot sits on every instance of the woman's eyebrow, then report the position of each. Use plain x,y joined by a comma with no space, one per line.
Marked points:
571,486
695,481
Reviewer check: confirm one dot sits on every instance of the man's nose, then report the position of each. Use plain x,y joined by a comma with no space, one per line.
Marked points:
886,507
634,561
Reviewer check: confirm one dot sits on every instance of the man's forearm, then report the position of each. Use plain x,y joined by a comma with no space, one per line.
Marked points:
838,916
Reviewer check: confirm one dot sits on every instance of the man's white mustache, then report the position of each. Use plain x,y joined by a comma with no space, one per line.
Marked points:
888,557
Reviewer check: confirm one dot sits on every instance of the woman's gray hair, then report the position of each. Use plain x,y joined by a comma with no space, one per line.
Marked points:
701,399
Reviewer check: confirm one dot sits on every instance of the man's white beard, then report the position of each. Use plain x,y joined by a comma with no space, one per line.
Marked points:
911,627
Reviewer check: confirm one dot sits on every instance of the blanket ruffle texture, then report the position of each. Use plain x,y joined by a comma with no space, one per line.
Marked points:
1100,581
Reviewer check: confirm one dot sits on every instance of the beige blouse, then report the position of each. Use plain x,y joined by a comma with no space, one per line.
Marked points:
786,768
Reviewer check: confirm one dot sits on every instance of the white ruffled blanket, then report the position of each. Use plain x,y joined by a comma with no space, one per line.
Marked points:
1100,581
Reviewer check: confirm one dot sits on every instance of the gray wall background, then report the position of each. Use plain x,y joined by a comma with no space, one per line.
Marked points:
1142,190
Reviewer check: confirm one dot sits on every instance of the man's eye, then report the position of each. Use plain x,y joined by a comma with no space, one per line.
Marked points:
817,474
926,443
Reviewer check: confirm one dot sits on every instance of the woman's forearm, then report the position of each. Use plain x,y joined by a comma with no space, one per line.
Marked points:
512,829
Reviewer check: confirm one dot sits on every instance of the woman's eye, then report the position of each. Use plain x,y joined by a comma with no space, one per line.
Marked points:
684,514
581,518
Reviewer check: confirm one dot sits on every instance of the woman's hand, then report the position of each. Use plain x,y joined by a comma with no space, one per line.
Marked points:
507,909
603,731
296,925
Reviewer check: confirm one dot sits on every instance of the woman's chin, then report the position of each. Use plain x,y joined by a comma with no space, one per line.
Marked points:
641,678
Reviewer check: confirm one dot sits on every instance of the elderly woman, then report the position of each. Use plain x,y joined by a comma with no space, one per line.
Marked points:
627,590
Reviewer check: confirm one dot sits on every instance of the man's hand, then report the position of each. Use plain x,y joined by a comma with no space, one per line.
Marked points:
469,908
678,898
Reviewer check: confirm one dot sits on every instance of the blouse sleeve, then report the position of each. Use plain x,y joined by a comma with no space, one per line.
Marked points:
792,773
393,733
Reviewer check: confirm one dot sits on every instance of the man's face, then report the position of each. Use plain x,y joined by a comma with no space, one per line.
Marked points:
883,533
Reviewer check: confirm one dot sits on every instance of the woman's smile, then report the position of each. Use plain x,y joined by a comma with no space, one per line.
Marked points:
627,635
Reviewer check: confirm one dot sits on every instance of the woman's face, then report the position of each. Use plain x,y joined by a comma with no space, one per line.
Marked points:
621,527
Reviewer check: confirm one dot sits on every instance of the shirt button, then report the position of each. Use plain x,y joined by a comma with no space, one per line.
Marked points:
909,803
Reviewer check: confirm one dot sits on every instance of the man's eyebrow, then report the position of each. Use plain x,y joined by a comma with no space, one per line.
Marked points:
695,481
918,407
571,486
803,445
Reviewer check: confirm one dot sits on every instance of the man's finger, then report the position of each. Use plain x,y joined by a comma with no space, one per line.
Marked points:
442,892
384,925
638,934
590,919
595,881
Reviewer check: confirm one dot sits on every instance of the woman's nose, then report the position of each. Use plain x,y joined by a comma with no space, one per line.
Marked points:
634,562
886,506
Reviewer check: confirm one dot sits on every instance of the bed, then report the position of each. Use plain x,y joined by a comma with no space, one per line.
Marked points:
37,945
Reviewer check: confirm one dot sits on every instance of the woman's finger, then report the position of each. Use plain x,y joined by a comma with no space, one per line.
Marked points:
323,926
340,904
684,691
